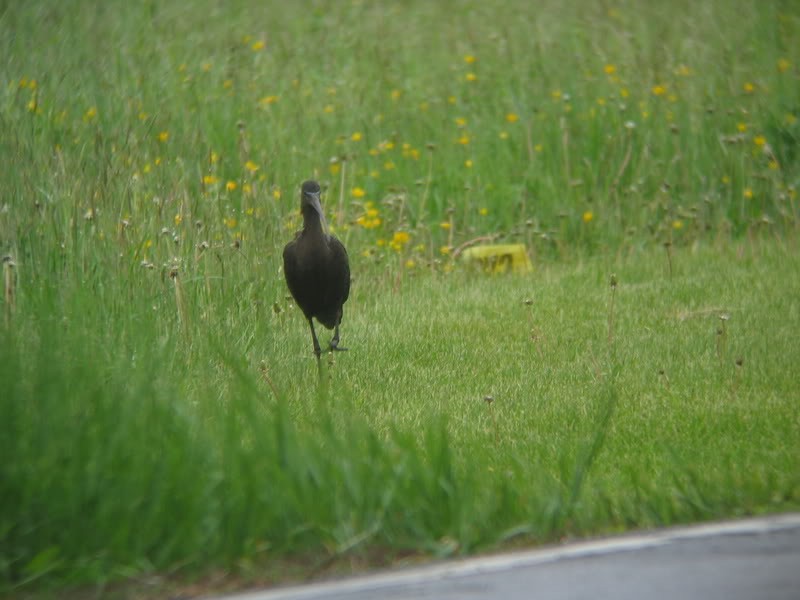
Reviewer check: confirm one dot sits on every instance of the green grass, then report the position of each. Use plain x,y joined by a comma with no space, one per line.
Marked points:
162,420
135,452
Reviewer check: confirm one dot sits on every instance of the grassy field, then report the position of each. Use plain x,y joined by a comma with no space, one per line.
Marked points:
163,425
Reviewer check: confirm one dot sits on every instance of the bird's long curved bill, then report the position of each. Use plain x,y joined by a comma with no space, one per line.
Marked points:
317,206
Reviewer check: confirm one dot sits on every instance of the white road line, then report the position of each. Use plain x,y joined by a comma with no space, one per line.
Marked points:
502,562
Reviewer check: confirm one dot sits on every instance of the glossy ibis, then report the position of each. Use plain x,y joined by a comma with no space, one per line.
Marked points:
316,268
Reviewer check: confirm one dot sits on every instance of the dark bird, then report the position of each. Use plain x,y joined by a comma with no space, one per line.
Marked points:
317,269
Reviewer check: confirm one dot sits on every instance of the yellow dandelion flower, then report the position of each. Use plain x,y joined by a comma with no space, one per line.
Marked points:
276,193
460,122
227,84
213,158
148,243
357,136
206,66
588,216
358,192
468,163
388,165
483,211
783,65
471,77
231,186
748,193
251,166
445,225
659,90
444,250
773,165
401,237
512,117
247,189
624,93
328,109
610,69
741,127
538,148
267,100
451,99
759,140
178,218
726,180
143,116
464,139
677,224
146,168
683,71
230,222
556,94
469,59
259,45
163,136
748,88
334,168
410,263
395,94
91,113
210,179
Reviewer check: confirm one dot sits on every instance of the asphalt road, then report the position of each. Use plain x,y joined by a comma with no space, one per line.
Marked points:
751,559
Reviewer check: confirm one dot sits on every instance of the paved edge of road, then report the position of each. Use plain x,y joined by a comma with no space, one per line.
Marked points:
626,542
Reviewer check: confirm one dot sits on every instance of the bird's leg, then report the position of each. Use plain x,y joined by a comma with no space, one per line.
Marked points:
317,349
334,345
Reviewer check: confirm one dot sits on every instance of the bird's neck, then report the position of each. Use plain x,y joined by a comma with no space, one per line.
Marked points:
313,225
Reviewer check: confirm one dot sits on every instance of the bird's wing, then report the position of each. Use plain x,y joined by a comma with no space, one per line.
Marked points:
290,266
342,264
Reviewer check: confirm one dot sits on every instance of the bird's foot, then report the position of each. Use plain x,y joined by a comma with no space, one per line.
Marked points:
335,347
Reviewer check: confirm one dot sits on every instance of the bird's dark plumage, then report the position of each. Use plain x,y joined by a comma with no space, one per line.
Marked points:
317,269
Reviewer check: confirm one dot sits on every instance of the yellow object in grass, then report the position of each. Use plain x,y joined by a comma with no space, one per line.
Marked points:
499,258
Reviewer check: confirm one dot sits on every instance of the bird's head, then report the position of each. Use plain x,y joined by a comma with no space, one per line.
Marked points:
310,204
